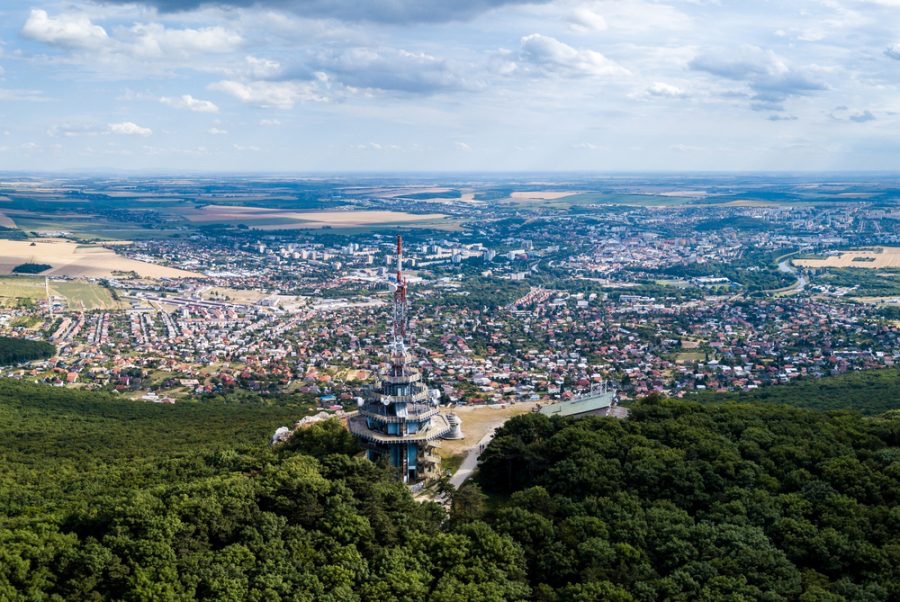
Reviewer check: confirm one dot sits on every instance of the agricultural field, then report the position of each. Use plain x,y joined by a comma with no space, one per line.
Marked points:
541,195
68,258
567,200
279,219
881,257
77,293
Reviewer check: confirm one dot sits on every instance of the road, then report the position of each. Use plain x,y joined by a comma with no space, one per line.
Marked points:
471,461
786,267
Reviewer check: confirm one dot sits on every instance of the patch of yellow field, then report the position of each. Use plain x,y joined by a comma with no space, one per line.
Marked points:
67,258
235,295
748,203
277,219
541,195
399,192
882,257
351,219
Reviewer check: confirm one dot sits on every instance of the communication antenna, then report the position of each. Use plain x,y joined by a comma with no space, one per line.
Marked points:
399,322
49,299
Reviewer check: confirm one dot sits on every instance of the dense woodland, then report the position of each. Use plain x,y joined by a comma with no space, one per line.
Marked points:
868,392
686,501
13,350
102,498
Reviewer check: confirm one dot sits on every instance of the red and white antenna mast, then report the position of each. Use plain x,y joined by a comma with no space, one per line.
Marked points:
399,323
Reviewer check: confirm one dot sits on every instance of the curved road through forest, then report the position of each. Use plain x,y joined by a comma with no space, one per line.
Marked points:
785,267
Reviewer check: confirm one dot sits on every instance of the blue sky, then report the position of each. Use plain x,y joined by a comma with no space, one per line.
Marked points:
468,85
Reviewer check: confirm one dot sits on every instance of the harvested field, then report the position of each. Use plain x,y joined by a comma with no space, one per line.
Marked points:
541,195
277,219
77,293
882,257
67,258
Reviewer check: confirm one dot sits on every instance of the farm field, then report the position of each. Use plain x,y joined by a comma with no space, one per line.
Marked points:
78,294
89,228
542,195
71,259
882,257
278,219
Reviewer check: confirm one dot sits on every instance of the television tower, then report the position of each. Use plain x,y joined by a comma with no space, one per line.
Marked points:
398,324
398,420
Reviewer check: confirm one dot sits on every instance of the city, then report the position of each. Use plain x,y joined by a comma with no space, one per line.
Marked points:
518,308
468,301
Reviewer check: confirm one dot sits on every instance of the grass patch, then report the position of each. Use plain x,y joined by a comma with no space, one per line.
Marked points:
452,463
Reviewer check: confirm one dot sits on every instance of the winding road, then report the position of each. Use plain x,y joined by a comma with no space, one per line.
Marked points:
786,267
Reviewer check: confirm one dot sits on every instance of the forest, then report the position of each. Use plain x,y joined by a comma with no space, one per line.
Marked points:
687,501
865,391
105,499
13,350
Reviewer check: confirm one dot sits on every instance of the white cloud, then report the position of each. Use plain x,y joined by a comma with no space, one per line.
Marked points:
153,40
893,51
261,68
129,128
279,95
22,95
393,69
665,90
376,146
76,31
269,122
69,130
585,20
186,101
462,146
217,131
549,55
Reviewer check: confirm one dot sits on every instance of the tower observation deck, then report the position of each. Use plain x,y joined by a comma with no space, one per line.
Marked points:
398,420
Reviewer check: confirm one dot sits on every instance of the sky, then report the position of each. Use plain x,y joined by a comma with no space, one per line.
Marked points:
439,85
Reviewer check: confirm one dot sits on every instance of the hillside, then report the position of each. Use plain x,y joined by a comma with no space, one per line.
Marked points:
108,499
63,445
702,502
